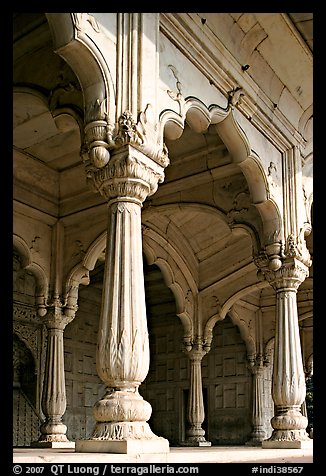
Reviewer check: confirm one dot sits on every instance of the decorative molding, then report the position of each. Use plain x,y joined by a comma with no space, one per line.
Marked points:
102,141
80,19
235,97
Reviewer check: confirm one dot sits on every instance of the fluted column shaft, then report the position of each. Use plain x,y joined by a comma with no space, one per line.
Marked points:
123,345
288,383
258,432
54,389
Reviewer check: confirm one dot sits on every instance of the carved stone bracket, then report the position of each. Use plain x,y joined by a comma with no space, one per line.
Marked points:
102,137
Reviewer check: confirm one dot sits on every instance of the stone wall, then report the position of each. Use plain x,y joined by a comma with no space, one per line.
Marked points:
83,386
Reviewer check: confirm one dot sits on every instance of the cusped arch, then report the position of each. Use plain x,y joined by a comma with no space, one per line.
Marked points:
79,274
227,305
27,263
269,350
200,117
183,290
244,332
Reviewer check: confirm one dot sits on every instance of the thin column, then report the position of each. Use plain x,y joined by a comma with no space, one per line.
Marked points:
54,389
258,432
196,413
288,383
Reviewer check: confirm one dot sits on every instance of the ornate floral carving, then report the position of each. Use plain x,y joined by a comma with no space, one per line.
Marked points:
295,247
35,245
100,138
59,91
235,97
29,335
177,96
128,131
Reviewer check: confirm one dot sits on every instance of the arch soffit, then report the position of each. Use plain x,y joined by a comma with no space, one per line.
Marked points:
73,42
27,100
203,208
269,349
200,117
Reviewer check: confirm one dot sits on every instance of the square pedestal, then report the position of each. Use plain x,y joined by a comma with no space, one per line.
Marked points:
287,444
53,444
160,445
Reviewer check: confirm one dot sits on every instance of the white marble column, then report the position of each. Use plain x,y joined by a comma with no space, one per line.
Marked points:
195,435
288,383
258,432
123,345
54,388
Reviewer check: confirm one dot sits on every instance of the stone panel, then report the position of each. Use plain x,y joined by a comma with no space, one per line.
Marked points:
83,386
229,386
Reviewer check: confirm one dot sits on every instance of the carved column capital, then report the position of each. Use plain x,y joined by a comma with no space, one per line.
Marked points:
56,317
289,276
257,365
126,159
196,348
129,175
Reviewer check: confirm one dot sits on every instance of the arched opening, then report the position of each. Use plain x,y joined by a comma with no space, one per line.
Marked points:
228,382
168,377
83,385
25,417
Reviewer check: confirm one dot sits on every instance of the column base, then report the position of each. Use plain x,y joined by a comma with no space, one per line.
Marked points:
196,443
295,444
253,442
53,444
128,446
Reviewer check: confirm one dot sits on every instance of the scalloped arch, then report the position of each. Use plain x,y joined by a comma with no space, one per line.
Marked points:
169,274
200,117
228,304
244,332
30,265
80,275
